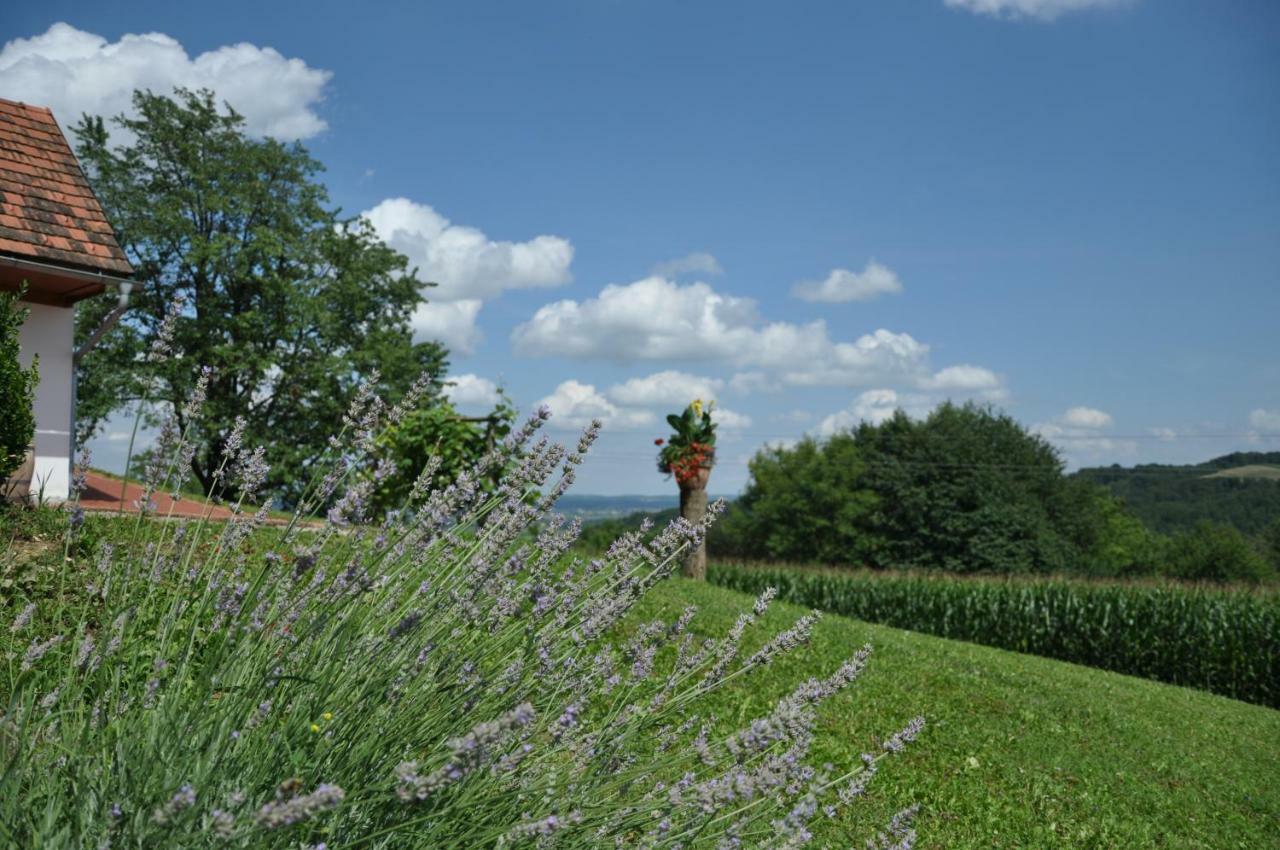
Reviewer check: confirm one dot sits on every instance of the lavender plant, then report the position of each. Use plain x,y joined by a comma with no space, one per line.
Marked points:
450,676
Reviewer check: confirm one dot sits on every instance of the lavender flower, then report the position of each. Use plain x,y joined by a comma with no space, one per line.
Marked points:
24,617
38,649
185,798
291,810
161,343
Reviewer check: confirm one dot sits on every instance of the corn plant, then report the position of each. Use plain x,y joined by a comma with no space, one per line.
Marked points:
1225,641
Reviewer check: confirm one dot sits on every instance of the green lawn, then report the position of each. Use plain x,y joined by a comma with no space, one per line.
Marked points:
1020,751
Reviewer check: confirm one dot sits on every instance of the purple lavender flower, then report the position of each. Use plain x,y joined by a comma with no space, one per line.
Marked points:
285,812
24,617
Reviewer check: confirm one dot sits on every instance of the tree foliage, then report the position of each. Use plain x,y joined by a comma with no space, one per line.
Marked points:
805,503
440,437
1214,552
1174,498
288,302
17,388
966,489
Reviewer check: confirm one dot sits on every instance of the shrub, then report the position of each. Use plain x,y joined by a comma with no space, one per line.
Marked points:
1225,641
446,678
1214,552
17,388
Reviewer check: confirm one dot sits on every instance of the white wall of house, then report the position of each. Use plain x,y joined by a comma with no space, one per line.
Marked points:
50,333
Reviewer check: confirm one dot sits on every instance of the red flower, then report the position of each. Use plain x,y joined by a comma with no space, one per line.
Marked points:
658,441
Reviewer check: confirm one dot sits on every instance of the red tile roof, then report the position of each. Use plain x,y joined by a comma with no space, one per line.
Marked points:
48,213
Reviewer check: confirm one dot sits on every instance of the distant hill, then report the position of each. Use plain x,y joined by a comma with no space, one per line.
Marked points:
589,508
1241,489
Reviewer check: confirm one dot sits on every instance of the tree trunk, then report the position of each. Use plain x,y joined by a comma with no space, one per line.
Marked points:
693,507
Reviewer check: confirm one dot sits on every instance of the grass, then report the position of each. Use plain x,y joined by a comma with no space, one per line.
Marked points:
1020,751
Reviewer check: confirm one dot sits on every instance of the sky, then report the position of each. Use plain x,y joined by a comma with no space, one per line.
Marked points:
812,213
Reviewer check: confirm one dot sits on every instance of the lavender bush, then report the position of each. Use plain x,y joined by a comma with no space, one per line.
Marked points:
447,677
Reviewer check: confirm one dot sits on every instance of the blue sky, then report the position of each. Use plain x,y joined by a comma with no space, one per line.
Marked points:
1068,207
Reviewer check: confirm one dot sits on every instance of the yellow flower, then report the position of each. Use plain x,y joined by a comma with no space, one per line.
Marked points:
315,727
328,715
697,407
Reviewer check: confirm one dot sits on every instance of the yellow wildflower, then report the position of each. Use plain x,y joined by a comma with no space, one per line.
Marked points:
697,407
328,715
315,727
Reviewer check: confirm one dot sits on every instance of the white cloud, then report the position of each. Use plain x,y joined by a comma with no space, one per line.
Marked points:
73,72
670,389
1163,433
875,406
696,263
749,382
1045,10
966,378
574,404
651,319
1077,433
463,261
658,319
1265,420
1086,417
843,285
452,323
471,392
729,420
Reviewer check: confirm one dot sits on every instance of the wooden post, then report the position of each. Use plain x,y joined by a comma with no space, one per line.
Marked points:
693,507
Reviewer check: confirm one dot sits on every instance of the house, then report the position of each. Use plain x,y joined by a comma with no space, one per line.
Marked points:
55,240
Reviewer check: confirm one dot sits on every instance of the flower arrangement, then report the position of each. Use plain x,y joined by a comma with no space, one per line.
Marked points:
450,677
692,446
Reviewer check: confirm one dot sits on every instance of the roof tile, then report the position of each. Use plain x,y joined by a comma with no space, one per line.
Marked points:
48,211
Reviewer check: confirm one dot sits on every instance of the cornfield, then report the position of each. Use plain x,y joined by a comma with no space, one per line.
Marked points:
1221,640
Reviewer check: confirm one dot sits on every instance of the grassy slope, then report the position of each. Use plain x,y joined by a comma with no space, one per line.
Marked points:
1020,751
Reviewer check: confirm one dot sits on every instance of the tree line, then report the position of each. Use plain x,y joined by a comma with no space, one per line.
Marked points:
966,489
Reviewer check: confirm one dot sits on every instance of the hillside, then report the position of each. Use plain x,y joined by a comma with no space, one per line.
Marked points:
1241,489
1020,751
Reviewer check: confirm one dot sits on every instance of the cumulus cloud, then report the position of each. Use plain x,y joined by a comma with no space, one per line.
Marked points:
471,392
875,406
1044,10
965,378
666,389
73,72
1265,420
696,263
658,319
1078,433
1086,417
754,381
452,323
651,319
729,420
574,404
843,285
463,261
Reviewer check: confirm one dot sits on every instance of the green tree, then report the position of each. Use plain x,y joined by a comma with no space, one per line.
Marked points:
805,503
966,489
969,489
289,303
1212,551
17,389
440,436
